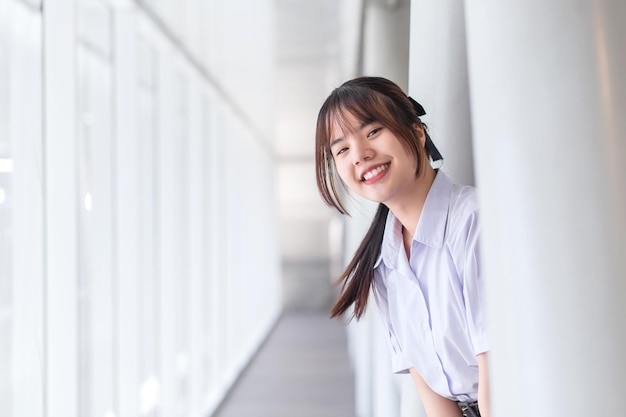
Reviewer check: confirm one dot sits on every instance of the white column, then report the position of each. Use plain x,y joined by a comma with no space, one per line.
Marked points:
386,40
438,80
60,205
548,99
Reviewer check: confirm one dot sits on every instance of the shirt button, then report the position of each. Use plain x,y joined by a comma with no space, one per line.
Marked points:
424,326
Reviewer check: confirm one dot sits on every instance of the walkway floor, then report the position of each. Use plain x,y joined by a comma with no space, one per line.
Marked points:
301,371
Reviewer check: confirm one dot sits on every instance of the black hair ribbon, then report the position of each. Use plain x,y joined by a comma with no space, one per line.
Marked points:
431,149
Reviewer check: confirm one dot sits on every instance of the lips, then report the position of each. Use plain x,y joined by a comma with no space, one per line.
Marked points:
374,172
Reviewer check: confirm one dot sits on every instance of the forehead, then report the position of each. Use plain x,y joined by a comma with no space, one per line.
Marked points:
342,123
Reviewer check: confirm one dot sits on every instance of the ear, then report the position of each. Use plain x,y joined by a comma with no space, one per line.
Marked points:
419,128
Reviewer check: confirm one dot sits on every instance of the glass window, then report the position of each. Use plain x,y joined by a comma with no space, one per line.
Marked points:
95,279
21,263
149,290
208,353
176,272
6,226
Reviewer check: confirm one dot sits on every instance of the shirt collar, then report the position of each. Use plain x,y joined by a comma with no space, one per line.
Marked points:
432,224
430,228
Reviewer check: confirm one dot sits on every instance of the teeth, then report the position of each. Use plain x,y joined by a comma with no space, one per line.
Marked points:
371,174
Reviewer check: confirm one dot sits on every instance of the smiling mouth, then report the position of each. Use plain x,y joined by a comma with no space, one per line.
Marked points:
374,172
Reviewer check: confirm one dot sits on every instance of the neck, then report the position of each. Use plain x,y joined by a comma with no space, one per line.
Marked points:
408,208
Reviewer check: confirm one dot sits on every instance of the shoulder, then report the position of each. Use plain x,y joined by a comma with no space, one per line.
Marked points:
463,200
463,214
463,227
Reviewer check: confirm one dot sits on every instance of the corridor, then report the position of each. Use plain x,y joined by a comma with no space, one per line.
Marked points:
163,243
302,370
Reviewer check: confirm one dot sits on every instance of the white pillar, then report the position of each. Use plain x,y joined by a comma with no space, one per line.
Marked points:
548,99
438,80
386,40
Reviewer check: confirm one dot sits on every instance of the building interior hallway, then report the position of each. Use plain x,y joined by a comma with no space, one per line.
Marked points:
302,370
162,232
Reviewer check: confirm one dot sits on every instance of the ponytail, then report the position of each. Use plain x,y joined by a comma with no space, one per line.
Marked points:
358,277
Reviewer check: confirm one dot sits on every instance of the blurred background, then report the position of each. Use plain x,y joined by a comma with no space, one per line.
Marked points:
160,226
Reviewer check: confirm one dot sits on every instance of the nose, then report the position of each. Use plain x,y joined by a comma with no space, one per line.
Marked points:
362,152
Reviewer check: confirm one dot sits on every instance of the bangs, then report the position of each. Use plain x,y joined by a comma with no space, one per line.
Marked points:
367,107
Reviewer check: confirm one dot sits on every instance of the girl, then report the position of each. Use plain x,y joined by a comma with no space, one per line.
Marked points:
420,255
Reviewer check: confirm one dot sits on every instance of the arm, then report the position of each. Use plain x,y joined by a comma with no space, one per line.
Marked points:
434,404
483,385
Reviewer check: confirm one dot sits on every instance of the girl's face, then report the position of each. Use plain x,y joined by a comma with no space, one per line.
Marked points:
372,162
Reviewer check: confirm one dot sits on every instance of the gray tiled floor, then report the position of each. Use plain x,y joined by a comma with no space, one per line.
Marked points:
301,371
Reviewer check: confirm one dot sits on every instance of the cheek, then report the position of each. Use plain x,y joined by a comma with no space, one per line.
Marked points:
344,172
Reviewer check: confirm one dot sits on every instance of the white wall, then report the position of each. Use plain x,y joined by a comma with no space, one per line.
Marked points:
132,186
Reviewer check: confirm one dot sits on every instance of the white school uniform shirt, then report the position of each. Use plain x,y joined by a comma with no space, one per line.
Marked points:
432,304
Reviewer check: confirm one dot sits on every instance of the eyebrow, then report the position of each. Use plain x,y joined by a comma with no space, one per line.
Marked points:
336,141
341,138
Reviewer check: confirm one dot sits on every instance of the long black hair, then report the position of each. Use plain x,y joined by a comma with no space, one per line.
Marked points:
368,99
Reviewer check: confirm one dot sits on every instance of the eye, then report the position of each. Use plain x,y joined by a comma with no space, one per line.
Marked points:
374,131
340,151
